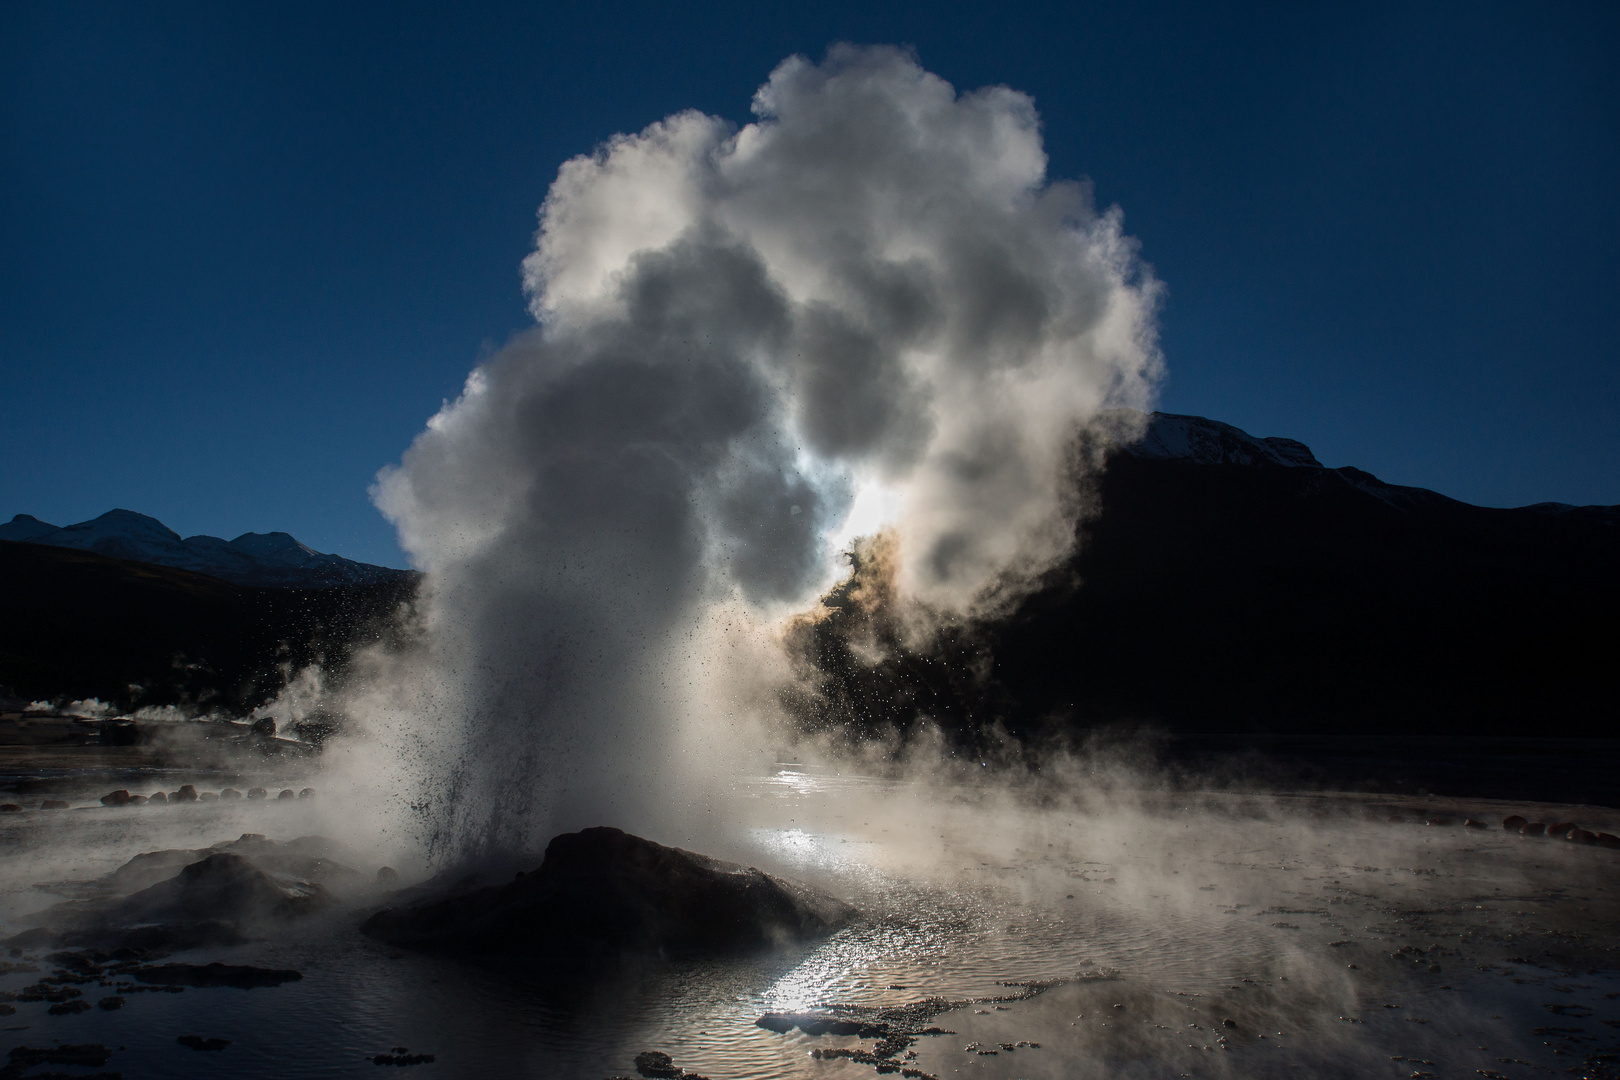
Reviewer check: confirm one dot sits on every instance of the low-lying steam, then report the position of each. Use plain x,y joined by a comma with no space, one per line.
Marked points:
866,310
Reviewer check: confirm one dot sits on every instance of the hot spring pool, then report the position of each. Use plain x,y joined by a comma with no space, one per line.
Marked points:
1168,935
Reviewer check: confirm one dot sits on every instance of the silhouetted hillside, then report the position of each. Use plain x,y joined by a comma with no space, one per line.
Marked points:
253,559
78,624
1234,584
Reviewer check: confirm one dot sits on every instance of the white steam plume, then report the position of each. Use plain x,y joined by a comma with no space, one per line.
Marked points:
871,297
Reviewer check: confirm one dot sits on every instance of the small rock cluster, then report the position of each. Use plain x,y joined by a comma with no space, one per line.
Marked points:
1559,830
187,793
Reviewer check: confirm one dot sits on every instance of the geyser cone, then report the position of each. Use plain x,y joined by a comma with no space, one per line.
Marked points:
603,892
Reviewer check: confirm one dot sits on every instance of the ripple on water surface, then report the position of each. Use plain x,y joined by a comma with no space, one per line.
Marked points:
1352,944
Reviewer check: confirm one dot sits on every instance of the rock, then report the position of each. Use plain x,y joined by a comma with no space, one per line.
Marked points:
657,1064
265,726
207,796
10,808
227,886
387,875
1513,823
137,800
158,797
187,793
307,793
257,793
54,804
603,892
1532,828
1561,830
115,798
218,899
1608,840
402,1058
141,872
44,991
80,963
196,1042
1582,836
230,794
308,858
1474,823
287,793
111,1003
781,1023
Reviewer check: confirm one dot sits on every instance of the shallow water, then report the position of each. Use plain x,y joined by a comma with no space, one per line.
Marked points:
1336,941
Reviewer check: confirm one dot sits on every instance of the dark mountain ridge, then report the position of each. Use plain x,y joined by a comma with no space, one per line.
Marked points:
1234,584
78,624
1225,584
255,559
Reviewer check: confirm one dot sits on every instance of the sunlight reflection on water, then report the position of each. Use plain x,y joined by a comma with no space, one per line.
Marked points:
957,898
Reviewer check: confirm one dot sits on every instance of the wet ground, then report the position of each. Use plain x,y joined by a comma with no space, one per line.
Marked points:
1143,934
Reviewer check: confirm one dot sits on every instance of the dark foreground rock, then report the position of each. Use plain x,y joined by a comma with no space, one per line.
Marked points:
603,892
84,1055
657,1065
308,858
218,900
402,1056
224,886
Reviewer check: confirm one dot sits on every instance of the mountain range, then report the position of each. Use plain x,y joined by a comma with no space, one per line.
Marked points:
1228,583
1221,583
273,559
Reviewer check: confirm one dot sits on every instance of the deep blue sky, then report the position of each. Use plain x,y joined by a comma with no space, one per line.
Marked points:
248,249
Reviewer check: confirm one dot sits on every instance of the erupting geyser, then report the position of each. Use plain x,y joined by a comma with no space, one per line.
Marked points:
869,309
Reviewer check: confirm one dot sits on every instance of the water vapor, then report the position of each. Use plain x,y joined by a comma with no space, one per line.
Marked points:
866,310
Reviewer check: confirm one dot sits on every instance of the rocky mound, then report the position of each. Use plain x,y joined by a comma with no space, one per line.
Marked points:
223,886
219,899
603,892
311,859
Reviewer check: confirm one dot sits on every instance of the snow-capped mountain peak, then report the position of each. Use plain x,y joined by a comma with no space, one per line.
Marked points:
1170,436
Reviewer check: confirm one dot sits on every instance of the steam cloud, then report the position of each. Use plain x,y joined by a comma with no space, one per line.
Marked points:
867,309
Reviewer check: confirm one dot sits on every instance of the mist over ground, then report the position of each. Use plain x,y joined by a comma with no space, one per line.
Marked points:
729,551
